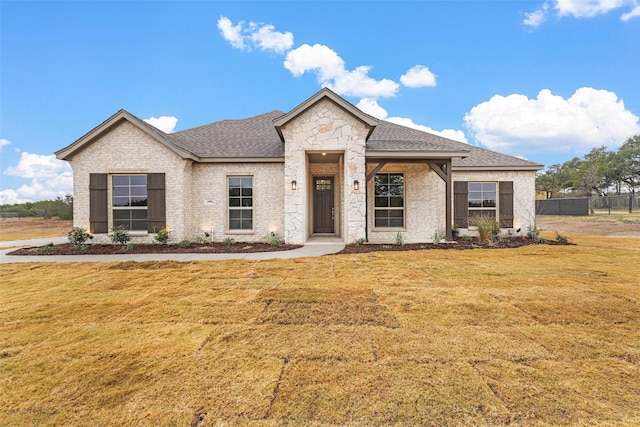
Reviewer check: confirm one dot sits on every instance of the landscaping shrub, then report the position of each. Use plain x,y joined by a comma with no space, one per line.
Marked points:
274,240
488,229
78,237
120,235
162,236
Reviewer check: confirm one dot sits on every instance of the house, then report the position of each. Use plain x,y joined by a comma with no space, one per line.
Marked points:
323,168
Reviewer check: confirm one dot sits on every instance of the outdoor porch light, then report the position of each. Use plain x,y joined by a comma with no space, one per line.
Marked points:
356,184
294,185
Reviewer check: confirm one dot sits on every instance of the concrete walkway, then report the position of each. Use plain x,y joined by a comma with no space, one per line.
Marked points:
314,247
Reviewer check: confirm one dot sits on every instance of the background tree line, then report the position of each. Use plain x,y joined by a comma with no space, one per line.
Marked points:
61,207
600,172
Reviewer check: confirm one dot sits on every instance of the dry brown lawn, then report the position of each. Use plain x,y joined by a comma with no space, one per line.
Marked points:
32,228
540,335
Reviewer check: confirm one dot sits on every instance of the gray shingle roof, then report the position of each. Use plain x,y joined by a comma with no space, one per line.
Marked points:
255,137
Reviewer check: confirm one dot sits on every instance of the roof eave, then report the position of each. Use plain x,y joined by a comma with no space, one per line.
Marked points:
112,122
241,160
532,167
392,154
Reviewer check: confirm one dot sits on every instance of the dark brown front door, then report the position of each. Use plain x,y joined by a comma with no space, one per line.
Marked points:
323,210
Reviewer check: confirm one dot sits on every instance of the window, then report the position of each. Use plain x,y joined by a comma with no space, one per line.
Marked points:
129,201
240,203
482,199
389,200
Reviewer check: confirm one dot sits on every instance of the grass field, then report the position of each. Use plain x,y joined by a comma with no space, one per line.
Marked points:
540,335
32,228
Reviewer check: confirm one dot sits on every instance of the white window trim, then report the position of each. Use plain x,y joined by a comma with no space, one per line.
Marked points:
111,208
404,204
234,231
496,208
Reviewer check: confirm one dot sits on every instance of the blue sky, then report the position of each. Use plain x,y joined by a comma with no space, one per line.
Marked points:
544,80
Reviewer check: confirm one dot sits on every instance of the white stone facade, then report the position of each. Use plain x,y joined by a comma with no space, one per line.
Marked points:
325,127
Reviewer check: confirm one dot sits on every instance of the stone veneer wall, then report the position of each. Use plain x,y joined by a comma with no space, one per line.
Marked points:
209,204
524,203
127,149
323,127
424,204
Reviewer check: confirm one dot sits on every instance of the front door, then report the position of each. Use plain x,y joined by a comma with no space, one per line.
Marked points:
323,209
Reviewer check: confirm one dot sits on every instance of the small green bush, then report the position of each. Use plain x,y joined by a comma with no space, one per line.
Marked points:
120,235
438,236
184,243
274,240
162,236
400,239
78,238
359,242
228,241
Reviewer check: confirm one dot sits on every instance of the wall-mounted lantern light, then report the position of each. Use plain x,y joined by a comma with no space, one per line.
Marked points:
356,184
294,185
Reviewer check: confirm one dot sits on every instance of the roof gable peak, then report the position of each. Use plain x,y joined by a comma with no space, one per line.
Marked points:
111,123
325,93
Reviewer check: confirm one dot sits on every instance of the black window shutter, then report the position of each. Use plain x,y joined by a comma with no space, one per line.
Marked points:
505,191
156,204
460,204
98,215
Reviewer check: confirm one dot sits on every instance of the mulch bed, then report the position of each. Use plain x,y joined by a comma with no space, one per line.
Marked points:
217,248
459,244
194,248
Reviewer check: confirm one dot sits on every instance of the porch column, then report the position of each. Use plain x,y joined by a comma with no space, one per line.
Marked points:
443,169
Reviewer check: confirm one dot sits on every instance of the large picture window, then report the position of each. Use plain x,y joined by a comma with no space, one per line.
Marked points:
389,200
129,201
482,199
241,203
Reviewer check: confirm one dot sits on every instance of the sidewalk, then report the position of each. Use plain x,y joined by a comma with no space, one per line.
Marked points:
312,248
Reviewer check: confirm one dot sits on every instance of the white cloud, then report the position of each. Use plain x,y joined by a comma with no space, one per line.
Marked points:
418,76
331,72
588,8
516,124
635,13
49,177
37,166
371,107
581,9
231,33
166,124
4,142
10,197
263,36
267,38
536,18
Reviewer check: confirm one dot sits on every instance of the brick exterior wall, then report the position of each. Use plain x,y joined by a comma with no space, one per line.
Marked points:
424,210
209,202
127,149
524,193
